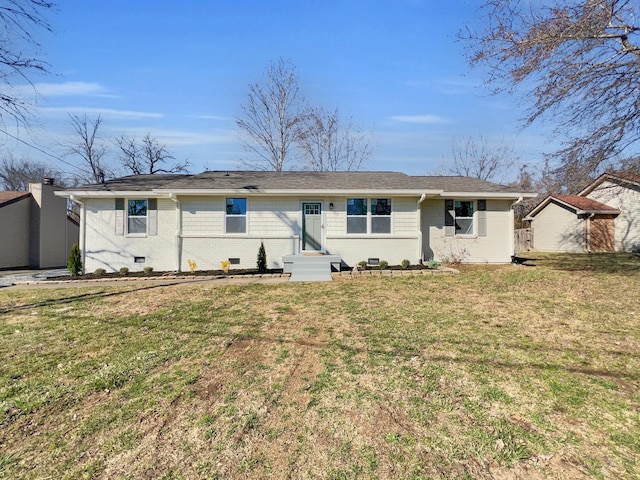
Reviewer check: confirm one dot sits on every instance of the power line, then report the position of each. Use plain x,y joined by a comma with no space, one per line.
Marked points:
41,150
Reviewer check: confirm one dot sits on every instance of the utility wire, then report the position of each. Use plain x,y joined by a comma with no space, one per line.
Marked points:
41,150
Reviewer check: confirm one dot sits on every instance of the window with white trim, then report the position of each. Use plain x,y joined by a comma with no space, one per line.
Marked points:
380,215
357,215
463,217
373,220
236,215
137,216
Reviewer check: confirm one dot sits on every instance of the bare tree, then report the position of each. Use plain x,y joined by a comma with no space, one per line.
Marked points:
579,63
471,157
271,115
17,174
147,156
89,148
19,49
326,144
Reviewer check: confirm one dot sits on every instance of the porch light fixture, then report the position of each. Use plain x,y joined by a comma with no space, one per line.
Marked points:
331,206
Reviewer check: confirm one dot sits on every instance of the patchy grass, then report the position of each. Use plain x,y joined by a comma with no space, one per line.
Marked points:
499,372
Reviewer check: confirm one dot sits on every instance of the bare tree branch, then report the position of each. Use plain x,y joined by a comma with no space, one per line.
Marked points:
147,156
471,157
89,148
326,144
19,49
578,61
271,115
17,174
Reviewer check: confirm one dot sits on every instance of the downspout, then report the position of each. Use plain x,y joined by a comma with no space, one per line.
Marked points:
83,231
513,221
419,210
175,200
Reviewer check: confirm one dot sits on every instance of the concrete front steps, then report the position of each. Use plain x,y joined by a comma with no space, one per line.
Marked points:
311,268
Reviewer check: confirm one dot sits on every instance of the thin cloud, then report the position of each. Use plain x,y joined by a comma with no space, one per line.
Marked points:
110,112
69,89
422,119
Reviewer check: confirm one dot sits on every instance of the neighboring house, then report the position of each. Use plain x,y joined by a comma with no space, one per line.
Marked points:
605,216
35,230
163,221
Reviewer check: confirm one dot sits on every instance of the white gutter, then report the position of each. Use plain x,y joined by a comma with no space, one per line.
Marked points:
83,231
175,200
419,212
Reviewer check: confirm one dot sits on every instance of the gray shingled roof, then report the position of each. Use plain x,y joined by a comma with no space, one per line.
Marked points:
291,181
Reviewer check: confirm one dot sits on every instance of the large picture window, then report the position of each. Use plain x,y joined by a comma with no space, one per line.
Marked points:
373,220
137,217
236,215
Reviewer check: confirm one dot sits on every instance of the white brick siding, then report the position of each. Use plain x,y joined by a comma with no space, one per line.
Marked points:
277,221
496,247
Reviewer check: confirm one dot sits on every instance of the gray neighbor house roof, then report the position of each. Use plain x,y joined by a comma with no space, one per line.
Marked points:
295,182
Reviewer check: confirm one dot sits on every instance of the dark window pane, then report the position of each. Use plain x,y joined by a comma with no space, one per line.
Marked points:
236,224
357,206
356,224
464,209
137,225
236,206
381,206
380,224
137,208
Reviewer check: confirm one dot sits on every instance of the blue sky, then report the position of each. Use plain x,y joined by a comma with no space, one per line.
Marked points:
181,70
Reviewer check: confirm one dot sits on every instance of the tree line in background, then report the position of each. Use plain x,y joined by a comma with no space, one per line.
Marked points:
576,64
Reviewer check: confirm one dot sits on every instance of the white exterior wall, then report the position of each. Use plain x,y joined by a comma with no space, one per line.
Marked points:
277,221
402,243
556,229
106,250
627,224
14,234
495,247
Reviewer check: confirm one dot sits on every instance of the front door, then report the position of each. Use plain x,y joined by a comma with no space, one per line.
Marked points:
311,227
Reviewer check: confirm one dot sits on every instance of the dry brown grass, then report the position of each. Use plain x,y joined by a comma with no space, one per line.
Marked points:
500,372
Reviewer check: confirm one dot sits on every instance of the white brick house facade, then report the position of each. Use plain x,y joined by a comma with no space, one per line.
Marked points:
166,221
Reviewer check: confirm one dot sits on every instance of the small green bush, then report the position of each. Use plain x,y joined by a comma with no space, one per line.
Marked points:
362,264
74,263
148,270
99,272
124,270
262,259
433,264
384,264
405,264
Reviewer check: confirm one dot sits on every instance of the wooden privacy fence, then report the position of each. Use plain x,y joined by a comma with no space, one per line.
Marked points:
523,240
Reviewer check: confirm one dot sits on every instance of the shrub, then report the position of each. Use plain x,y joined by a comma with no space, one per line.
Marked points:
74,263
405,264
262,259
148,270
124,270
433,264
99,272
362,264
383,264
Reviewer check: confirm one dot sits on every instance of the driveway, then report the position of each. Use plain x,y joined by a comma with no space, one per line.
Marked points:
10,277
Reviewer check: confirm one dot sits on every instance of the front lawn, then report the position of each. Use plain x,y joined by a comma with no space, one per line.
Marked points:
499,372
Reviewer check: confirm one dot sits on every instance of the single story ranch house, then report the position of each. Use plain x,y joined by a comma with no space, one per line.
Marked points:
165,221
